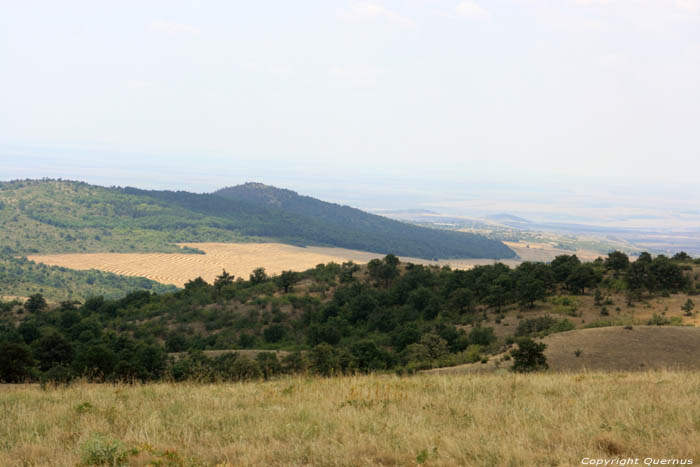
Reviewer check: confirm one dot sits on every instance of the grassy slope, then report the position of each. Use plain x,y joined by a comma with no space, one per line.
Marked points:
73,217
544,419
63,217
610,349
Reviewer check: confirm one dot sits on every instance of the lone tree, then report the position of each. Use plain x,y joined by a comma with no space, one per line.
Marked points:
688,307
529,356
258,276
223,280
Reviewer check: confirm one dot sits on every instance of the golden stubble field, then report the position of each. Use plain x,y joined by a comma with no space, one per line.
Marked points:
549,419
237,258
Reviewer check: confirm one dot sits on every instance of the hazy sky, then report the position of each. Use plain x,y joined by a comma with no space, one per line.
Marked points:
204,94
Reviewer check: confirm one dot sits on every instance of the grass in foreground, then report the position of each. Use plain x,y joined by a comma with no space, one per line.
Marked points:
500,420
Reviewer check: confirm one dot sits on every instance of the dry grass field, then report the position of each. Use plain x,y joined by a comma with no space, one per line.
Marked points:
237,258
617,348
549,419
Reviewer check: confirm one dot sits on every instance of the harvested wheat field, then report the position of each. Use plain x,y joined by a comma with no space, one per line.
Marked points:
238,259
435,420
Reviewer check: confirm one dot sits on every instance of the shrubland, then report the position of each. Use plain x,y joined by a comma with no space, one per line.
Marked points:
330,320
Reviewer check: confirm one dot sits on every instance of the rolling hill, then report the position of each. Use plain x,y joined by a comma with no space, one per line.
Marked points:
55,216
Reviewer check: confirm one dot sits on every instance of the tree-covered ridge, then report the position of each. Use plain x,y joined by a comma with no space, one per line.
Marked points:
53,216
330,319
21,277
348,227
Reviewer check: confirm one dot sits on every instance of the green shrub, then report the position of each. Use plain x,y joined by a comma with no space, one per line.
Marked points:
101,450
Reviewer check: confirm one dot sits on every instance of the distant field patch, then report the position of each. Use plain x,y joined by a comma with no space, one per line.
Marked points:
237,258
544,252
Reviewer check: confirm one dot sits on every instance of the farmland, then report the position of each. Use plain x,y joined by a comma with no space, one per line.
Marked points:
238,259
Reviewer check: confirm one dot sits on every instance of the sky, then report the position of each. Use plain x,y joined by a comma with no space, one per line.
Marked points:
355,100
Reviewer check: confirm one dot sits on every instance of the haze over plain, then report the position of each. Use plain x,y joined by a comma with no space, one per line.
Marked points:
463,107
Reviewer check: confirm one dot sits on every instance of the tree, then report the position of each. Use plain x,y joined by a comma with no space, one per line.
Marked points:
462,299
563,266
53,349
258,276
682,257
223,280
95,361
499,291
435,345
325,360
639,277
347,271
481,336
369,356
287,279
16,362
274,333
688,307
598,297
617,261
197,283
582,276
268,363
529,356
383,271
35,304
529,289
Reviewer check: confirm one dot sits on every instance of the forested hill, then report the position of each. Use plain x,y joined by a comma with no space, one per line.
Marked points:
352,228
54,216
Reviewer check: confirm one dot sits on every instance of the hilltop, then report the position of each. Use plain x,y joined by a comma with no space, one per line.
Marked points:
55,216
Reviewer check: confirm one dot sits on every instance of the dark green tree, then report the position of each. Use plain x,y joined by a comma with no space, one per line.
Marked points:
222,280
617,261
325,360
287,279
274,333
258,276
529,289
16,362
563,266
688,307
581,277
529,356
462,300
53,349
35,303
